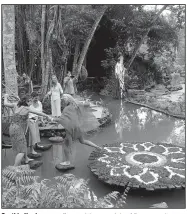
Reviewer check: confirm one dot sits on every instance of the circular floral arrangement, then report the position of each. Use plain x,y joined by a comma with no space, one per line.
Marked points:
144,165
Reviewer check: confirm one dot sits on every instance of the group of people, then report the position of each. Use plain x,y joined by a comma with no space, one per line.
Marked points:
56,92
76,118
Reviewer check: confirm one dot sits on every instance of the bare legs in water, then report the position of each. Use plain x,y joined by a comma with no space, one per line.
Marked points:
68,150
67,147
19,157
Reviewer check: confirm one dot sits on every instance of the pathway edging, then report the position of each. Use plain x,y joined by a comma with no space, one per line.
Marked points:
157,109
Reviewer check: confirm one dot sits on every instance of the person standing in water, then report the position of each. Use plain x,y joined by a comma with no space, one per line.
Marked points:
55,92
18,127
77,119
119,74
69,82
34,133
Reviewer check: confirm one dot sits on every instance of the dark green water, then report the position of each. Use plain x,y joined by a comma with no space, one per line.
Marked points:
130,123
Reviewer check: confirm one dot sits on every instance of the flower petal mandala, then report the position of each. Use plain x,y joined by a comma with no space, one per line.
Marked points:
148,165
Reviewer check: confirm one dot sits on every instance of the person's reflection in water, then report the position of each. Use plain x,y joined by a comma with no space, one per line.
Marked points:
177,135
142,115
123,122
157,117
57,154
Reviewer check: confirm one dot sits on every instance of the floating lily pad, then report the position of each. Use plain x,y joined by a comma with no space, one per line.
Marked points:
56,139
64,167
35,164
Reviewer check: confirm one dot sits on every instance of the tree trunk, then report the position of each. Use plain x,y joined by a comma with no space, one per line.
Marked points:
32,56
21,40
47,60
3,71
144,36
84,62
88,40
9,48
61,75
76,56
43,20
66,68
49,67
32,38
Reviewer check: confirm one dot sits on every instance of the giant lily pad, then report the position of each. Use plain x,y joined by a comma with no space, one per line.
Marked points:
144,165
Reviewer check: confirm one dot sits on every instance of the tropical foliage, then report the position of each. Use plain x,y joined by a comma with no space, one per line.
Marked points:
56,38
22,189
158,48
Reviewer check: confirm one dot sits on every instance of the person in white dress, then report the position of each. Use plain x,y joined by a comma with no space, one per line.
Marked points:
55,92
34,133
120,72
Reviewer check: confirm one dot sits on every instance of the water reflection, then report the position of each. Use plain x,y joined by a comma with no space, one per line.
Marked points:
146,116
132,123
57,154
157,117
140,117
123,121
177,135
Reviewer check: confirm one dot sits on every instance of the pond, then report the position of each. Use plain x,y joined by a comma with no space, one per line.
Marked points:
129,123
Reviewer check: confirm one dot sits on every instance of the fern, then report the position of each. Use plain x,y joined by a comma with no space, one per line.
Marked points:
24,190
18,175
107,200
122,200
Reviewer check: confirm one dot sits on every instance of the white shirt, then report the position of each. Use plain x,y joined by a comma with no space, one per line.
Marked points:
118,69
56,91
120,73
39,108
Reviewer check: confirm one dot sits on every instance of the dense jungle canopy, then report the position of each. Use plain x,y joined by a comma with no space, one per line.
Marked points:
50,39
